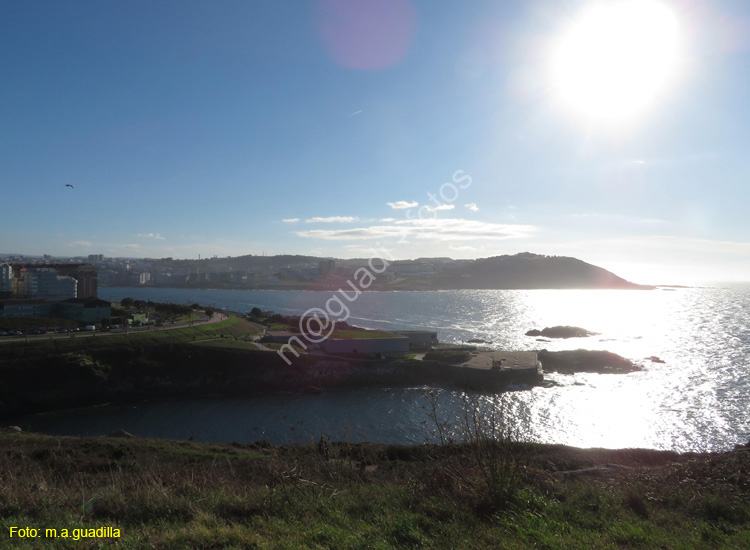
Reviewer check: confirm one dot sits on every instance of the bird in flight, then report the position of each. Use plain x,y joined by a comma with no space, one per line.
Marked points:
68,185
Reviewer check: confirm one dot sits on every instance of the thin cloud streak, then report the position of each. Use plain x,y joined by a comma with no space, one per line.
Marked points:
402,205
449,229
333,219
441,207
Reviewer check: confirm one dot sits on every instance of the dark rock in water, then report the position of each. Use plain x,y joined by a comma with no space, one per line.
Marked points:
477,341
561,332
121,433
542,340
581,360
654,359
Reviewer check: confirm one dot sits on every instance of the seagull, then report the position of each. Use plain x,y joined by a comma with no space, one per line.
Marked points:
68,185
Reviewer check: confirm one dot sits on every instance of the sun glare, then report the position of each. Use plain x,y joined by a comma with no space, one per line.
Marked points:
616,57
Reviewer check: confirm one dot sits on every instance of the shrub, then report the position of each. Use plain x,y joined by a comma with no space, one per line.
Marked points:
494,437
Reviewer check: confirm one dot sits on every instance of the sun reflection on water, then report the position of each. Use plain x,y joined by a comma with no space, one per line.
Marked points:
695,400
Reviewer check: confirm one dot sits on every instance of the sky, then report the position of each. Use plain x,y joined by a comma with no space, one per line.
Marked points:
412,128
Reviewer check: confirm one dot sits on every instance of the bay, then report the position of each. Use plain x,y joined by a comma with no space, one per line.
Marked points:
696,400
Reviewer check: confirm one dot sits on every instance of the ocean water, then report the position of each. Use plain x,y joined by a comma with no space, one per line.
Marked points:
698,399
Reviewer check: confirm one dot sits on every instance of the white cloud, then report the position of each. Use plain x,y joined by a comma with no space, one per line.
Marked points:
440,207
150,236
333,219
81,243
402,205
472,206
290,220
450,229
387,220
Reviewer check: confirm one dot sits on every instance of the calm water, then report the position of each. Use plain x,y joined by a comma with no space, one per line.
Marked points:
698,399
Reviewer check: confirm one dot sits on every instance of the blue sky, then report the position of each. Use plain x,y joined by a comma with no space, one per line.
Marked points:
231,128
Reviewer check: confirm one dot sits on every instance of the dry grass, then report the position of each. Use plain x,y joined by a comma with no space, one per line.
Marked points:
168,495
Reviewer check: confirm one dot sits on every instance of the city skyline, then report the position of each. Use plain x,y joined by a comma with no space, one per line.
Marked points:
333,128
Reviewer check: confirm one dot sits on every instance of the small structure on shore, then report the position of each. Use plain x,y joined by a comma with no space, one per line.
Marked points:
519,362
502,367
350,340
419,339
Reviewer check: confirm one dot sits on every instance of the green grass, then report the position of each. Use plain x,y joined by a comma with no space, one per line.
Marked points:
227,343
275,346
229,328
172,495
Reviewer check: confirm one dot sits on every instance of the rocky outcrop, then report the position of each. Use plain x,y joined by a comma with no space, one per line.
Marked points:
581,360
562,332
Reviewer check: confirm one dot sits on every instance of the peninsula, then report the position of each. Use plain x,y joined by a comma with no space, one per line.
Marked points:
525,270
236,355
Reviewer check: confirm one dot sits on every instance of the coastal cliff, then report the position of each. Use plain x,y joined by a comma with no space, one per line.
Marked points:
126,374
132,373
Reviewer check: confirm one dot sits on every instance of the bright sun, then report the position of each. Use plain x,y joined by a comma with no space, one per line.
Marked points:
616,57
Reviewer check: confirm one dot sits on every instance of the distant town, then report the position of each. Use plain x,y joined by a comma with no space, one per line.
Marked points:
52,278
49,277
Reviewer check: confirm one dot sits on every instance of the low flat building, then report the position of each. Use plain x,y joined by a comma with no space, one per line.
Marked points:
419,339
366,346
82,310
346,342
25,308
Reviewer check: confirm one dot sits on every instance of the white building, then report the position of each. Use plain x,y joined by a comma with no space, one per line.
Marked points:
6,278
45,284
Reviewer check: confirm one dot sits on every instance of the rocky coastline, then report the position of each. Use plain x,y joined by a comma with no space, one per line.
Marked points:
36,384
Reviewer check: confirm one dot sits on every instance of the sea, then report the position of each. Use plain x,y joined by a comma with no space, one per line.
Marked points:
693,393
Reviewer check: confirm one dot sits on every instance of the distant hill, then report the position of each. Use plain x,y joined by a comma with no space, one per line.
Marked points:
519,271
527,270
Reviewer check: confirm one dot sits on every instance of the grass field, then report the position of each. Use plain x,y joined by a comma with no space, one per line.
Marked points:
175,495
227,343
229,328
